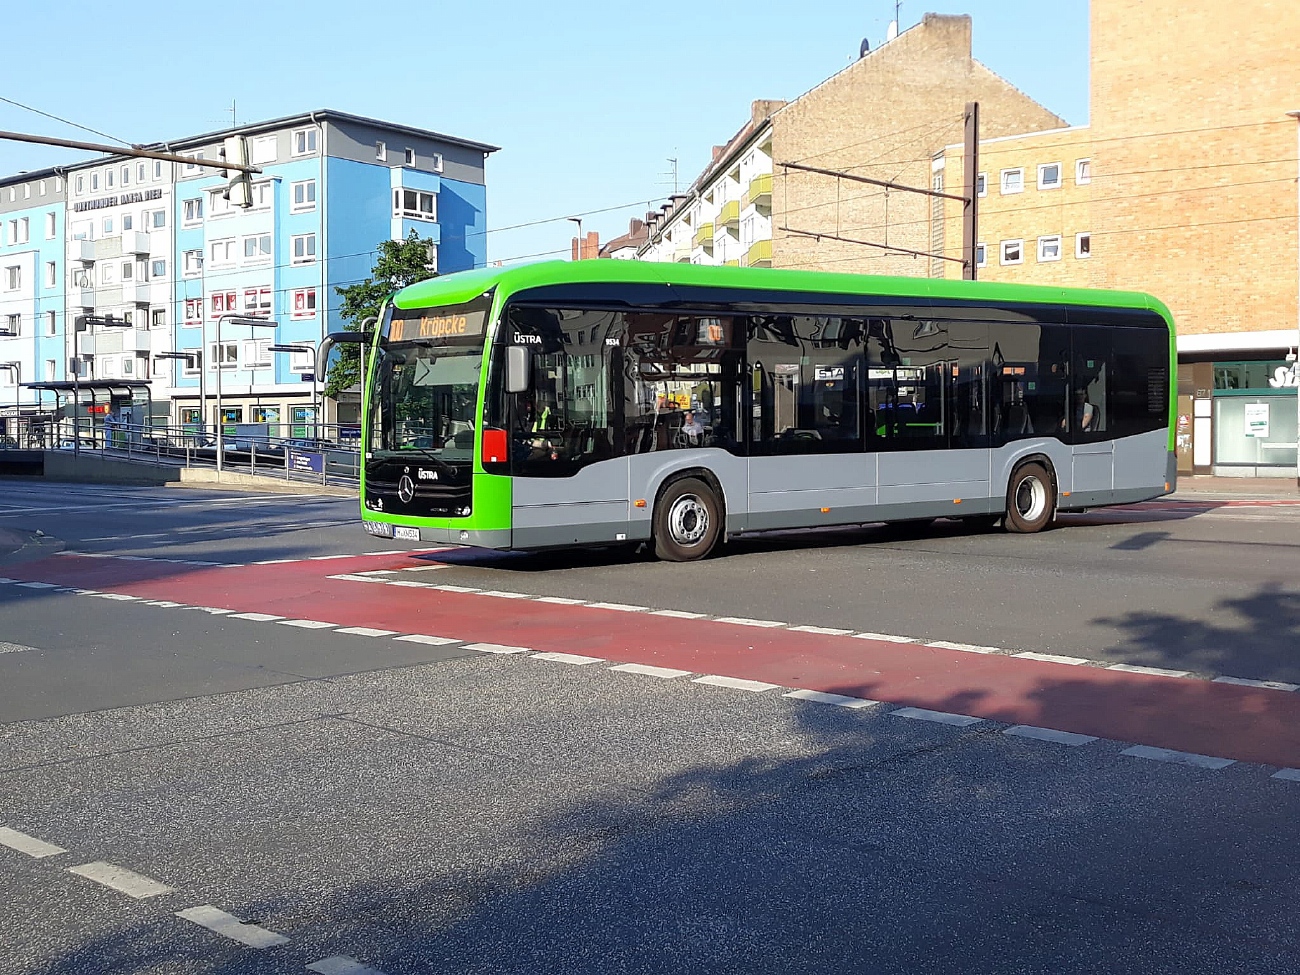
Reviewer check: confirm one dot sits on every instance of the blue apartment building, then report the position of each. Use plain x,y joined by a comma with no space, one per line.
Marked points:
156,249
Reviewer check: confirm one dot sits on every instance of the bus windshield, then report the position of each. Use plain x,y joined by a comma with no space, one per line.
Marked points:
425,391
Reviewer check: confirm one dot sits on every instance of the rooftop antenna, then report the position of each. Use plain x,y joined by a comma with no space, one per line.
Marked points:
672,163
893,25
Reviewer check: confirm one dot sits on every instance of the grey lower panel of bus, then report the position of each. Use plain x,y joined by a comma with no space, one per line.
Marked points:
479,539
597,505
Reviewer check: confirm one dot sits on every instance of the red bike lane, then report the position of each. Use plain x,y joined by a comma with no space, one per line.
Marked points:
1249,724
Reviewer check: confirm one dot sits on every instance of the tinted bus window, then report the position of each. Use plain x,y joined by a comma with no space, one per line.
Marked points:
1090,373
1139,392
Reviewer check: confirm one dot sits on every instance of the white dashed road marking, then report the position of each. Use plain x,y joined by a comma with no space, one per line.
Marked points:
1052,658
677,614
568,658
619,607
1178,758
885,637
646,670
939,717
432,641
964,647
1049,734
120,879
1152,671
737,683
1290,774
1274,685
256,617
37,849
496,648
229,926
839,700
561,600
364,631
744,621
14,648
820,630
307,624
341,965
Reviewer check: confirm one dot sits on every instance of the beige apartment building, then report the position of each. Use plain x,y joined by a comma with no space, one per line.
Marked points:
1183,185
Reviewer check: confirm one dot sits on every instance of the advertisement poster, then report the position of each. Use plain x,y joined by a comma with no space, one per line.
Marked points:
1257,419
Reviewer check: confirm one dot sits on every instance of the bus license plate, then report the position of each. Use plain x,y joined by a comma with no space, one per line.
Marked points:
409,534
378,528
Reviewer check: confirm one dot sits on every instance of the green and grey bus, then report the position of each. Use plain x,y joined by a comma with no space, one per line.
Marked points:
606,402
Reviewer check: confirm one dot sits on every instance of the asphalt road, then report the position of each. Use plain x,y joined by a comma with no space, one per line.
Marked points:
360,800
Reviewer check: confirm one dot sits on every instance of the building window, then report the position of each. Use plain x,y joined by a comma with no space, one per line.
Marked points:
257,353
128,366
381,152
192,211
227,354
156,220
982,184
1013,252
13,278
94,182
192,167
1049,248
193,265
304,303
157,169
158,317
223,303
257,249
981,255
51,274
1083,171
108,179
408,156
1083,246
140,171
128,221
218,205
1013,181
1049,176
79,186
51,226
193,311
262,150
437,162
126,175
304,142
42,187
128,317
262,196
19,231
158,269
13,325
303,196
415,204
191,367
51,323
51,366
222,252
128,270
108,226
303,248
257,301
12,373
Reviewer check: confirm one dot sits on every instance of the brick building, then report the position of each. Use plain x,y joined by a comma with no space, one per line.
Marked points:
1184,185
884,116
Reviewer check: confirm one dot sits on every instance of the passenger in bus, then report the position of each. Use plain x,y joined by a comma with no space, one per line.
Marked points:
692,431
1085,413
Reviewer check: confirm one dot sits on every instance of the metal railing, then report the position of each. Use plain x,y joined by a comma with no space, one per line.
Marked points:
330,455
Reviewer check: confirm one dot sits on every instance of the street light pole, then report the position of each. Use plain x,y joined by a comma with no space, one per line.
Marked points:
1295,366
578,221
234,320
314,400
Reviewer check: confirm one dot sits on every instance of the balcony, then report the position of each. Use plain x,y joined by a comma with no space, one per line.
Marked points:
729,215
682,255
704,236
135,242
731,263
82,251
759,254
759,193
82,296
135,292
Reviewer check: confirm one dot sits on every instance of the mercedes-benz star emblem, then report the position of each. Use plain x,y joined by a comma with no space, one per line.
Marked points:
406,489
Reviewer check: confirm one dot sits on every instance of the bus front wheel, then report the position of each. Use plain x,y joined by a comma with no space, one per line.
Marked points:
1031,500
688,521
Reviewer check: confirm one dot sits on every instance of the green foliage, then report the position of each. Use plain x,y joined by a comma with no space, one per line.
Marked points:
401,262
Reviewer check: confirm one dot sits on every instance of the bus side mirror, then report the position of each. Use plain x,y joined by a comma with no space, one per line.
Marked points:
517,369
328,343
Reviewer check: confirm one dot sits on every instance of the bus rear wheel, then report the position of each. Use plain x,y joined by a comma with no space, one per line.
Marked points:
1031,500
687,521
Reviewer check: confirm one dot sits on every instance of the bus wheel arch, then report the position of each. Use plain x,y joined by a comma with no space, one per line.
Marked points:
1031,495
689,515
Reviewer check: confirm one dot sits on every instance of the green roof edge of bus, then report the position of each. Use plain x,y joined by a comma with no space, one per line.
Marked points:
463,286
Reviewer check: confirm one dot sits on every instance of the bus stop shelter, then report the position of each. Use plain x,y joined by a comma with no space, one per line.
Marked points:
130,402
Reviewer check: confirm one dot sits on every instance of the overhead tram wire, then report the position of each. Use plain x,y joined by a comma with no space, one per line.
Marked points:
56,118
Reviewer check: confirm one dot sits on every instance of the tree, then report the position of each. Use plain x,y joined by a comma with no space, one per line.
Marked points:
400,262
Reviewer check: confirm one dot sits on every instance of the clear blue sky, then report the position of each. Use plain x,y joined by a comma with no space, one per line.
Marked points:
588,100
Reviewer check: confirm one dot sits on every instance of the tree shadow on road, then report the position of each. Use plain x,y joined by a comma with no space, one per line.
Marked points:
808,838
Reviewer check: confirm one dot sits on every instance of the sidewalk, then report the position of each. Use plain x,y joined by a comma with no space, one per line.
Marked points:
1206,487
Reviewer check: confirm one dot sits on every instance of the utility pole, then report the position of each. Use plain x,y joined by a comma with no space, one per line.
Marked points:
970,205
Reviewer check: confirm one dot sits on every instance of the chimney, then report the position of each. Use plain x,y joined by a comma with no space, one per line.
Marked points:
762,109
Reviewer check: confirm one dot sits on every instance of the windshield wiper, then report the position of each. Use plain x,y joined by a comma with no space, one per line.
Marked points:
423,452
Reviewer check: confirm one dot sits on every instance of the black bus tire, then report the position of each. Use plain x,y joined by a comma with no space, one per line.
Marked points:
1031,499
687,521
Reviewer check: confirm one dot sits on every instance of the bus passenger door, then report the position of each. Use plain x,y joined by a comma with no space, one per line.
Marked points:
1088,422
